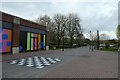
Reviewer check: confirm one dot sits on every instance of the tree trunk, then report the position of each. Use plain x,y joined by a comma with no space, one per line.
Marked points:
58,45
71,41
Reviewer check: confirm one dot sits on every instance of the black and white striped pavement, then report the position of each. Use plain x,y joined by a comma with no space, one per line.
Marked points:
37,62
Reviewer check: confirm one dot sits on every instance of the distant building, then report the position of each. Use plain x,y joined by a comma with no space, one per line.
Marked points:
20,35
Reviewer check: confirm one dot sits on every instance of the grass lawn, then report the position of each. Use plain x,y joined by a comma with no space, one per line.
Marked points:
109,49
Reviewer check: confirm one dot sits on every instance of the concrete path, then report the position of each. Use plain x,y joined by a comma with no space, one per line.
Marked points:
76,63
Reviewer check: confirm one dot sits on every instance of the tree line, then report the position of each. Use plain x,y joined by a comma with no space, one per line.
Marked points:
63,28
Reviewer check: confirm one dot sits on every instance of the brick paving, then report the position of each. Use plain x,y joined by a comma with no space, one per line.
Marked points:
76,63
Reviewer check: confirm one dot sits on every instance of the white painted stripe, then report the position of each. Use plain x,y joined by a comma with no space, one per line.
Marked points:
29,62
45,61
40,67
57,59
30,65
37,62
13,62
22,62
51,60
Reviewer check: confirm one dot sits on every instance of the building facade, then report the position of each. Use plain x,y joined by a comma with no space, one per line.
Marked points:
20,35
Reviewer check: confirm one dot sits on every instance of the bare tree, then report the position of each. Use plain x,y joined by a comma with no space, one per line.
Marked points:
118,32
44,20
118,35
104,36
60,26
73,26
60,21
50,25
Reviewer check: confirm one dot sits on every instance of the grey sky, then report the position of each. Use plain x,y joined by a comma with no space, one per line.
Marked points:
94,16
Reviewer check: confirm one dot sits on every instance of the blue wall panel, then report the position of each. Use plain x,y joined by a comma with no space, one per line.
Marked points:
8,43
4,36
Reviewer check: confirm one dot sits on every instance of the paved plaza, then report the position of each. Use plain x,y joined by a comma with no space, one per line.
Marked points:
75,63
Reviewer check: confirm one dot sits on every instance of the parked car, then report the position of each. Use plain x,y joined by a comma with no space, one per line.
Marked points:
102,45
111,45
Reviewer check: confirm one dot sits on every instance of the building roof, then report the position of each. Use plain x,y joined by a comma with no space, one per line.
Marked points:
22,20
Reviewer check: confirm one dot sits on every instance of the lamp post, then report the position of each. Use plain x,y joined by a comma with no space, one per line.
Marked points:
92,43
90,40
98,40
63,42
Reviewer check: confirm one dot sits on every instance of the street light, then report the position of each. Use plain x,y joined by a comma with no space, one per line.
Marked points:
63,40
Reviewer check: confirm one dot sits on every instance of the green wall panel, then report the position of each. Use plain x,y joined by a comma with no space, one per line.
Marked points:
28,41
44,40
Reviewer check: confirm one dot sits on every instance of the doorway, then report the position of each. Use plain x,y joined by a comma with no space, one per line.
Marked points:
34,43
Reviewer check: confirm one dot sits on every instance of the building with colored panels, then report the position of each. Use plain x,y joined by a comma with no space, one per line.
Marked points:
20,35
